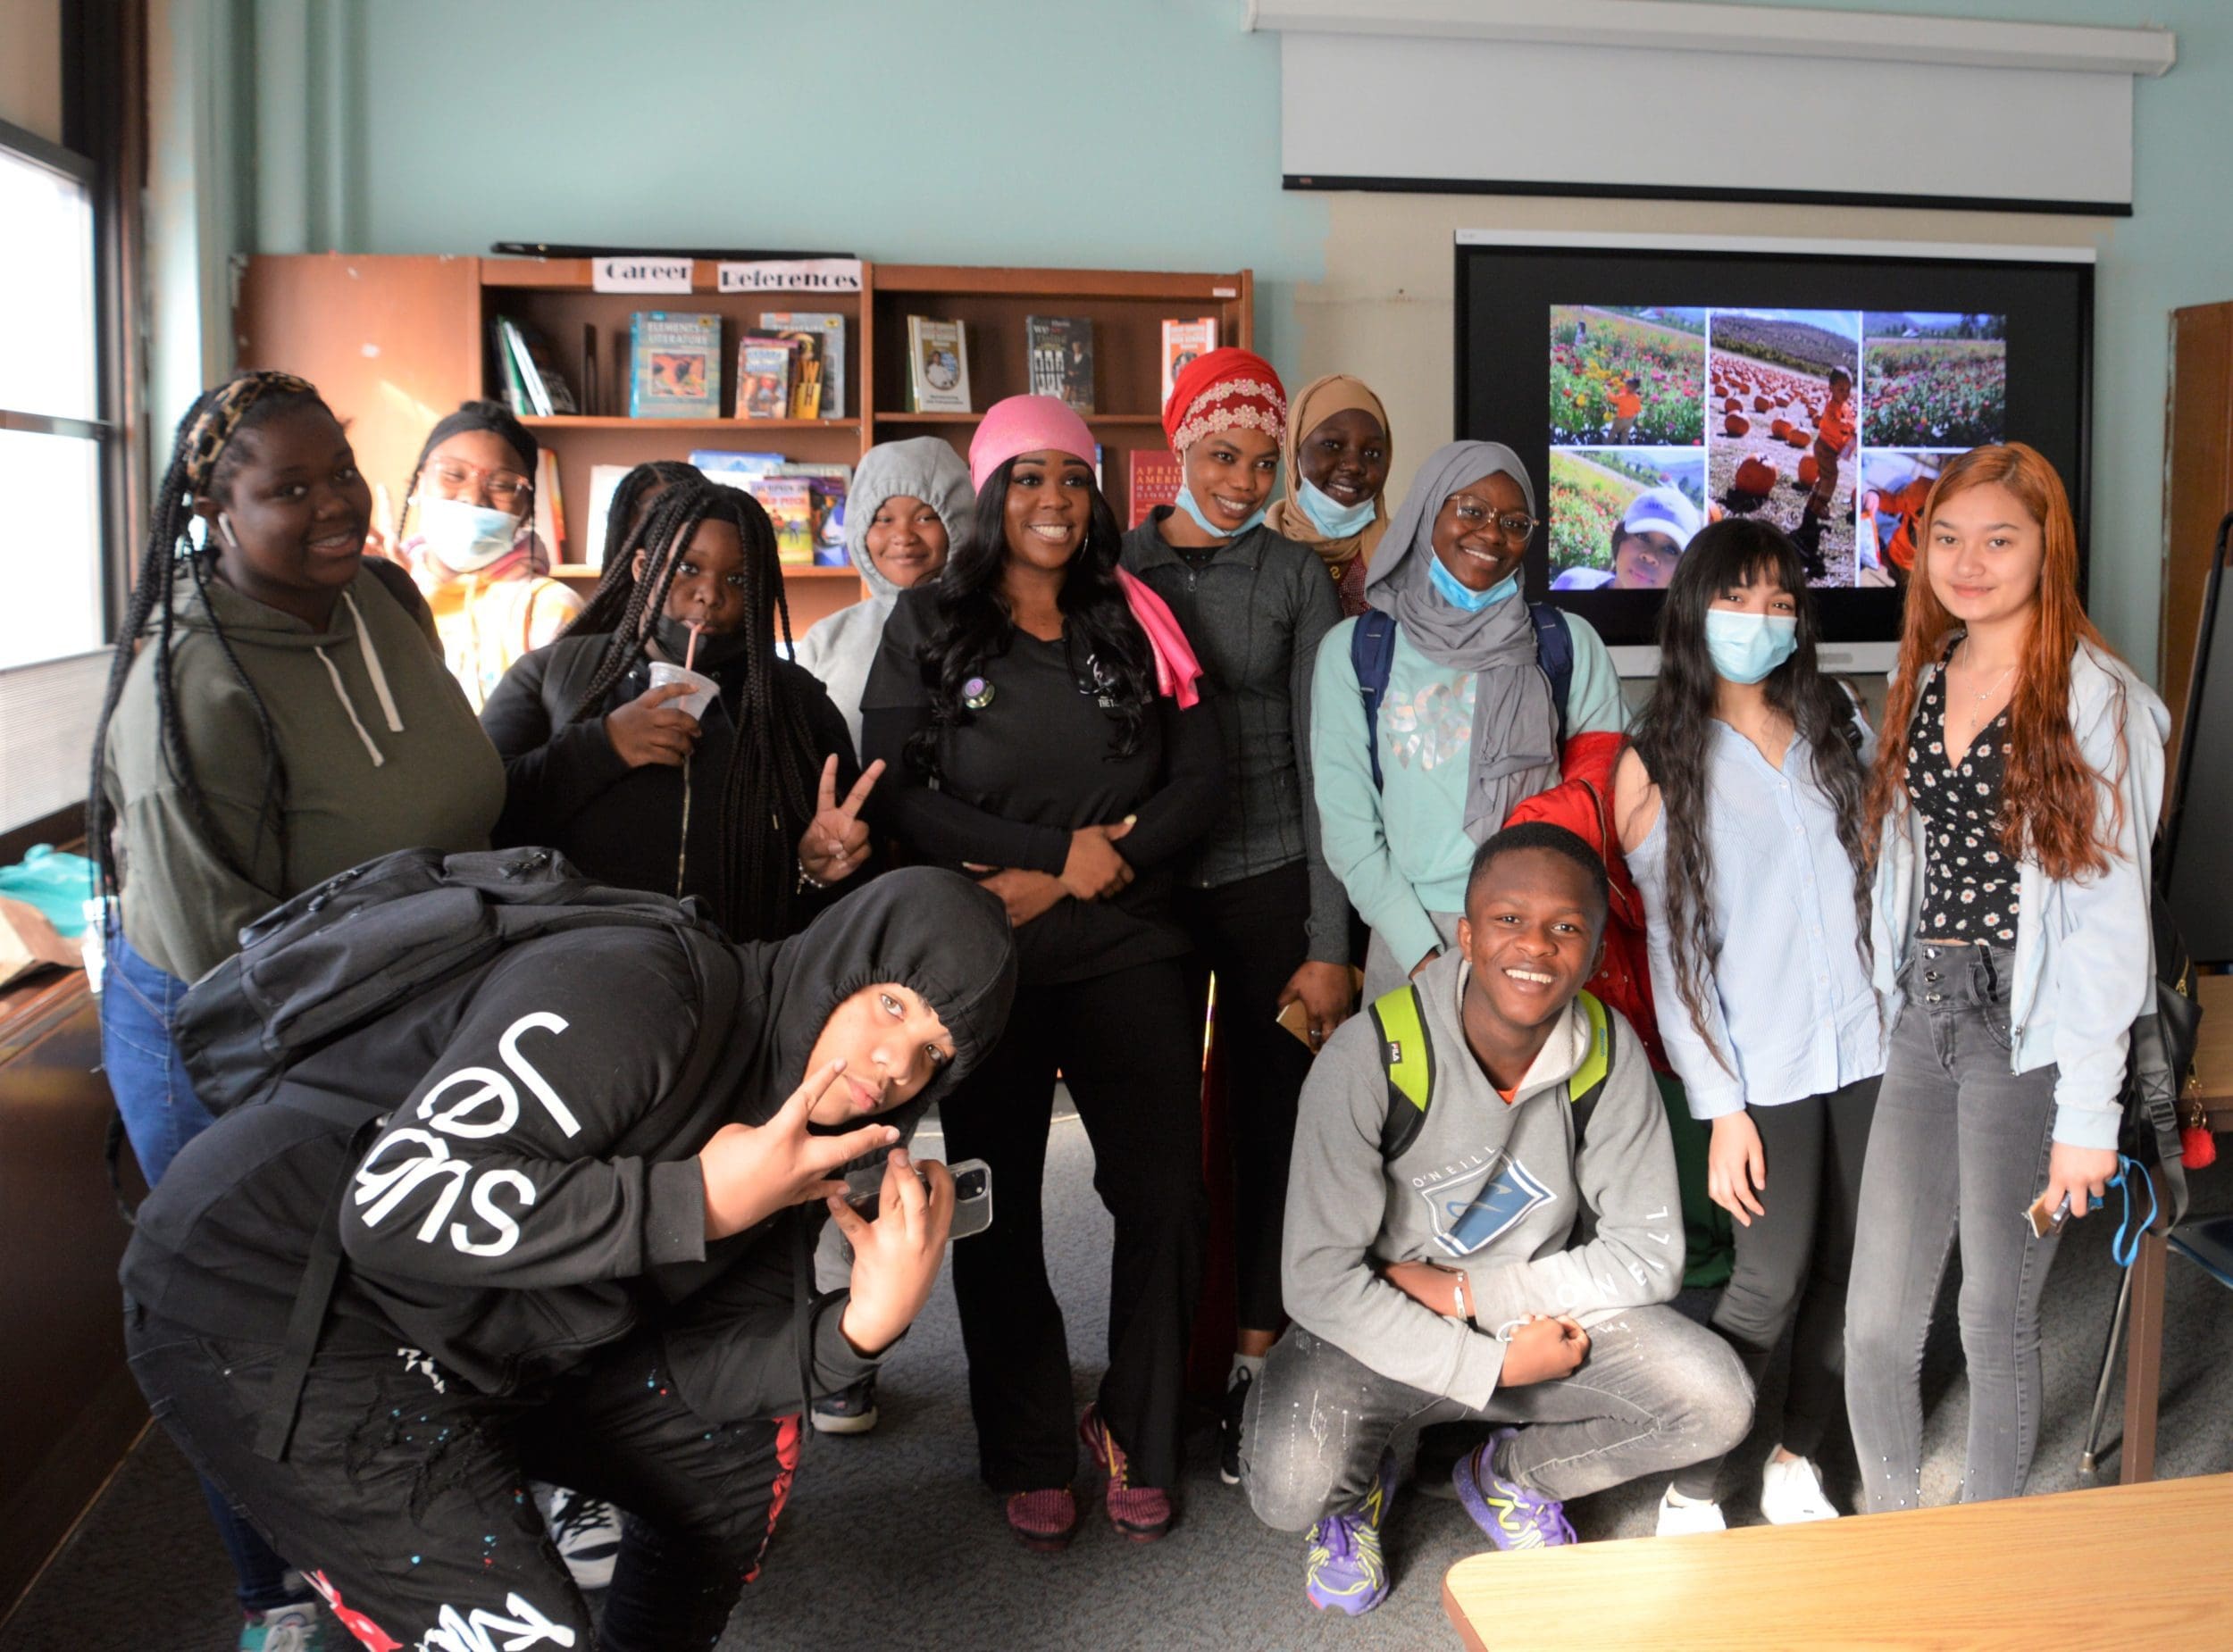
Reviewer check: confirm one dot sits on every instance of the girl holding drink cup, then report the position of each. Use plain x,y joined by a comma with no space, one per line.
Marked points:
663,743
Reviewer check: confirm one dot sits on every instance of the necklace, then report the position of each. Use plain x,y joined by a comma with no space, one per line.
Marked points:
1986,692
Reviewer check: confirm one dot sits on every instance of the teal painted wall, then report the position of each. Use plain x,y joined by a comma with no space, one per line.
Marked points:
1128,133
1140,135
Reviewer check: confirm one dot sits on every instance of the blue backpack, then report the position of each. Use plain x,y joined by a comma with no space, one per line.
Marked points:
1372,654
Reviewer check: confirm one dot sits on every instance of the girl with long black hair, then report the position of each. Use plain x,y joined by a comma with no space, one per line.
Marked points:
1739,808
740,803
1038,708
276,712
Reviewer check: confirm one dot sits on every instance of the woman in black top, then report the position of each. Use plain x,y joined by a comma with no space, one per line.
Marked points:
1017,701
741,807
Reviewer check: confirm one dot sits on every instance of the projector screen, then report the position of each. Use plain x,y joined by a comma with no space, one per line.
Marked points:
1650,390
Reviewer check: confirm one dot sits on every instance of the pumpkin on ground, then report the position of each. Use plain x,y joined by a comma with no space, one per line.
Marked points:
1756,476
1737,424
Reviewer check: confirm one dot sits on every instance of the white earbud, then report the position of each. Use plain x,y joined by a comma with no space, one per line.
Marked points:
225,526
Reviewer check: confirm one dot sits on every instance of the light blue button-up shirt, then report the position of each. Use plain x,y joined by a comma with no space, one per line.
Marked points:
1790,1007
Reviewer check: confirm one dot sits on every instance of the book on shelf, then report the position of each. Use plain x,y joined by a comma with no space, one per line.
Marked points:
789,502
604,480
1155,479
764,370
533,385
1183,341
826,487
830,326
674,358
550,509
1060,350
937,366
804,401
509,376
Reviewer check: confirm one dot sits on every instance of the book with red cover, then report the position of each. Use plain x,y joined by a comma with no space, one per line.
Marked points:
1155,479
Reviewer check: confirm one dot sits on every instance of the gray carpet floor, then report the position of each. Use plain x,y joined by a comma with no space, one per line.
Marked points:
892,1542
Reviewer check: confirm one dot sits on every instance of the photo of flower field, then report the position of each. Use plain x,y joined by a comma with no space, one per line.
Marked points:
1935,380
1594,352
1592,486
1769,381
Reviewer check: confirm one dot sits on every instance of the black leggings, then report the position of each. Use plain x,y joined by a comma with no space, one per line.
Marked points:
1792,1263
1129,1049
1252,935
403,1496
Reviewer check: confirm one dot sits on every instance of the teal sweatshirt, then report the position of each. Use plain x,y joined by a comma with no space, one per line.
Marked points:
1402,850
1496,1190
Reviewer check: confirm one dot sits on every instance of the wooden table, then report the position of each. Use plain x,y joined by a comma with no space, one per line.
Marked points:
2058,1571
2144,1356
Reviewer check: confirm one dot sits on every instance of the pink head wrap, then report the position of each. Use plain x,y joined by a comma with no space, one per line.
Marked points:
1025,424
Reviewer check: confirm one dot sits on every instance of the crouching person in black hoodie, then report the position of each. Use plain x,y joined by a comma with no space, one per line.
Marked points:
569,1253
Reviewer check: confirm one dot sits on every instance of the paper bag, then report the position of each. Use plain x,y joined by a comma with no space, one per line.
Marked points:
28,940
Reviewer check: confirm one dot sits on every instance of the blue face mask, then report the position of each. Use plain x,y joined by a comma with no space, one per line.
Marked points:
1454,591
1335,521
1185,502
1746,647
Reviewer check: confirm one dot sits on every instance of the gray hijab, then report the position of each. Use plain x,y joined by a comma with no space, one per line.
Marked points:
1514,725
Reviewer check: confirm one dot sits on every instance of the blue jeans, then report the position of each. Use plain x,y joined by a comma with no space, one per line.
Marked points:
162,1114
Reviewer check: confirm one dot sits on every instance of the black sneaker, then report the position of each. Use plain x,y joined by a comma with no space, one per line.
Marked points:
1229,1425
848,1411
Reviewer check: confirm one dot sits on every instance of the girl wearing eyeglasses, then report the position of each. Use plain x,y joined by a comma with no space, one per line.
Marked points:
1468,721
468,537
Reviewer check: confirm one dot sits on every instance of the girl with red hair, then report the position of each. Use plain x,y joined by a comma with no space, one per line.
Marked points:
2010,810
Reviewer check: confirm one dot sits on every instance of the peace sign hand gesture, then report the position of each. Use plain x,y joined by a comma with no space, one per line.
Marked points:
836,841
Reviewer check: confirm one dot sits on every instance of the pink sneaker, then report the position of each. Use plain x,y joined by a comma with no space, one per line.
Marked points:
1043,1522
1141,1512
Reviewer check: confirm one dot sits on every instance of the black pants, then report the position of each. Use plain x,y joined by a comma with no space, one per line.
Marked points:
1252,936
1130,1049
1792,1263
404,1495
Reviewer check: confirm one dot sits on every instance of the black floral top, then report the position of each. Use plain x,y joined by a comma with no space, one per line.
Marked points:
1969,894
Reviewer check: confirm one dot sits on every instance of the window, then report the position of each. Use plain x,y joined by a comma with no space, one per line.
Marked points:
52,433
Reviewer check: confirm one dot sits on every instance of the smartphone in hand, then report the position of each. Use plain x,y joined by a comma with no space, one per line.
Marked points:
973,1195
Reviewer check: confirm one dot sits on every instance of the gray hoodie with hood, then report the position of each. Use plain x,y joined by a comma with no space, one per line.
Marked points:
839,648
1496,1190
378,750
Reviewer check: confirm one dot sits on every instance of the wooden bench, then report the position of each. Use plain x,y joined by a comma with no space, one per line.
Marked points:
2096,1568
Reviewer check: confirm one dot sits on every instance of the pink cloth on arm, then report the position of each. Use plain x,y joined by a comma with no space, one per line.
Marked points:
1175,666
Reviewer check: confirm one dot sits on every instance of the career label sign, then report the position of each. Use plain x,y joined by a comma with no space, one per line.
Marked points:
812,275
639,275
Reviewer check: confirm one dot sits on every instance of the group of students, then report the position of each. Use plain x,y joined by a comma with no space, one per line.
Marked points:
1005,820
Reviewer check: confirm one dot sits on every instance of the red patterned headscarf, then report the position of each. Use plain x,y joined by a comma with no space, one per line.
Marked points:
1223,391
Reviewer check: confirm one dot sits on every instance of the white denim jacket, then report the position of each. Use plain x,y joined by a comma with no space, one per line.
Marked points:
2084,959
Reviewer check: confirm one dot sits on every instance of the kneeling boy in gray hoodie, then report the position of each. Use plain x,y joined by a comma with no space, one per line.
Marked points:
1482,1222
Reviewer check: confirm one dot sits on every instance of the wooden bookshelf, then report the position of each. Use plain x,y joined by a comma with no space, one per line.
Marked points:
396,342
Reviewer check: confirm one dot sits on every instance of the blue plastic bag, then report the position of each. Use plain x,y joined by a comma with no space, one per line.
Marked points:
58,883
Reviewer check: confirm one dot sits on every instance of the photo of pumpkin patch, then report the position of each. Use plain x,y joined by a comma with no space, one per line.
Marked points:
1783,413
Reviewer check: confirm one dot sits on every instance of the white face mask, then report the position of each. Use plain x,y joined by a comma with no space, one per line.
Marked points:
465,537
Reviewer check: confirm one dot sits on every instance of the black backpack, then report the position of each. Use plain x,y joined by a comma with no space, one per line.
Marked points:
340,955
2157,1064
337,957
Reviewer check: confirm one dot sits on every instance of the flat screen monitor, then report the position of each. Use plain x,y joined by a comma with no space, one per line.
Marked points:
1651,386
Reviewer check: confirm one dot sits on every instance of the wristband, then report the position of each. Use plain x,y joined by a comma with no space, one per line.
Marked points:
807,881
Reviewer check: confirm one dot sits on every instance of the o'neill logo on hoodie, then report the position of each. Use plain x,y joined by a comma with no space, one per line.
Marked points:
1473,1202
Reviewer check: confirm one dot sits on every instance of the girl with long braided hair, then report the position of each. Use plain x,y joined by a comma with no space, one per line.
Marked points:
276,714
753,803
1739,806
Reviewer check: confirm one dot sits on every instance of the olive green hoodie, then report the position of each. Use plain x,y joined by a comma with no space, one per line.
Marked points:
378,748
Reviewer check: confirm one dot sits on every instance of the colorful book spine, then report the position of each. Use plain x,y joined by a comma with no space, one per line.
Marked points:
1183,341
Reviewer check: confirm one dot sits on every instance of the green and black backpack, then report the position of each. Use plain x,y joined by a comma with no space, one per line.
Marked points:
1407,1056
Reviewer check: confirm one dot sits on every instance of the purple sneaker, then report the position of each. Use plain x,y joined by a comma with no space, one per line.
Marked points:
1344,1571
1513,1516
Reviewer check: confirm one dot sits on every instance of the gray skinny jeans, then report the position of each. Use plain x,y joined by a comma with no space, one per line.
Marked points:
1958,1149
1656,1392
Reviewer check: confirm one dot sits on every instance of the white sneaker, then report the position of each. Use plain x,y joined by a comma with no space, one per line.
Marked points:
1681,1519
587,1533
1791,1493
